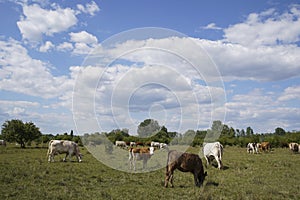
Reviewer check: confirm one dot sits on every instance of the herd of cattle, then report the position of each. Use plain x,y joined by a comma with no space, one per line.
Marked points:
185,162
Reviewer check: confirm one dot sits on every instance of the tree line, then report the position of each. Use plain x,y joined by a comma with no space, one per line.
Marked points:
149,130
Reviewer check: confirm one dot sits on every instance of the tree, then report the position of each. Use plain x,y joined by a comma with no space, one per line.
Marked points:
279,131
249,131
16,131
148,128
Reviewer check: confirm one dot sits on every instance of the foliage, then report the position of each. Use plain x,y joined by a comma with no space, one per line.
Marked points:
16,131
148,128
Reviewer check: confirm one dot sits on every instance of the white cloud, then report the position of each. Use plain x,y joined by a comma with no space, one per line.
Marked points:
46,47
37,21
211,26
262,63
260,110
22,74
89,8
65,46
83,37
290,93
266,28
84,42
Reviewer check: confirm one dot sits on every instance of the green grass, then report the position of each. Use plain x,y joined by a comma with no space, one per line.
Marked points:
26,174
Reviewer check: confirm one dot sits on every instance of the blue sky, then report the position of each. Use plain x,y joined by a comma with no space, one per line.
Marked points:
52,71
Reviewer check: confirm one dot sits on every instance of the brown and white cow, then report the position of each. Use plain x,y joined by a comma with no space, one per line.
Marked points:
265,146
184,162
214,150
143,154
70,148
294,147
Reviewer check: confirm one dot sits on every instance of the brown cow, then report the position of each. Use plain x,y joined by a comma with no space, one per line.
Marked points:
185,162
265,146
140,154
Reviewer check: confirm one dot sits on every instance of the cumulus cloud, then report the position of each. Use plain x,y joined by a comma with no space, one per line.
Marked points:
65,46
46,47
266,28
37,21
89,8
22,74
290,93
84,42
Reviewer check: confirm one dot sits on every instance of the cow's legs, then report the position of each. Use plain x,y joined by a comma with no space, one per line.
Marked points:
196,179
169,175
219,162
207,160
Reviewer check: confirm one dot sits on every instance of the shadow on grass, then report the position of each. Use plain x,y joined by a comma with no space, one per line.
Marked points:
212,183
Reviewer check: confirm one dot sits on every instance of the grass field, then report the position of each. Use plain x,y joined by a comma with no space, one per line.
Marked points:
26,174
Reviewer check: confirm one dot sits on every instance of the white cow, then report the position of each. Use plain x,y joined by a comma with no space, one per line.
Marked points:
121,144
155,144
63,146
252,147
132,144
214,149
163,146
143,154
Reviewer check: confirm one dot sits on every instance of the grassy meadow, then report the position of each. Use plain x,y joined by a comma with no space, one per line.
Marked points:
26,174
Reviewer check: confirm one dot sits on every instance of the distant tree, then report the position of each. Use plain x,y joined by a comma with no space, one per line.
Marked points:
16,131
148,128
279,131
249,131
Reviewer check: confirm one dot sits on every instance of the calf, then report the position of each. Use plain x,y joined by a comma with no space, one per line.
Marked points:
143,154
215,150
185,162
70,148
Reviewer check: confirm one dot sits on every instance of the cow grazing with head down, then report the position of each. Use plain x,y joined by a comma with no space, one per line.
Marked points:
143,154
184,162
214,150
70,148
251,147
121,144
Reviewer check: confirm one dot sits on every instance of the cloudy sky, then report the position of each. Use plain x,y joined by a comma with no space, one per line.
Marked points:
96,65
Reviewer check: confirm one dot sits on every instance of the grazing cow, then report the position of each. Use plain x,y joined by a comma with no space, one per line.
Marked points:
265,146
184,162
163,146
121,144
251,147
63,146
2,143
215,150
143,154
155,144
294,147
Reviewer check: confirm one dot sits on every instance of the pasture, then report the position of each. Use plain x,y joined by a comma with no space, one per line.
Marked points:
26,174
